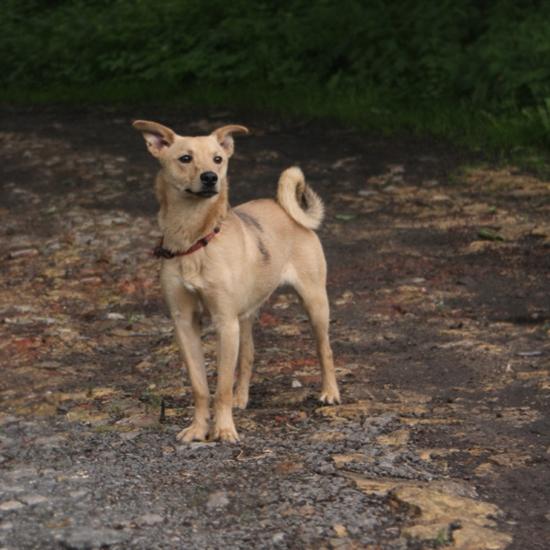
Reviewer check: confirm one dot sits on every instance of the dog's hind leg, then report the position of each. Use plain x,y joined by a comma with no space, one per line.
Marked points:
228,350
311,289
246,358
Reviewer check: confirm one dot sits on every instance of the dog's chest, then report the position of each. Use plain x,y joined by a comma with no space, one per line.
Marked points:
190,286
183,274
190,277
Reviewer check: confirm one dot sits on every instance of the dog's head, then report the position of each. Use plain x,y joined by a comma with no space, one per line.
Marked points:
195,166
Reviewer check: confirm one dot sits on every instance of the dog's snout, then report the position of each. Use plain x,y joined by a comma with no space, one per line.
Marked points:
209,179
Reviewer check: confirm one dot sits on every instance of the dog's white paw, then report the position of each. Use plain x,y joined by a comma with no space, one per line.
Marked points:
194,432
330,396
228,433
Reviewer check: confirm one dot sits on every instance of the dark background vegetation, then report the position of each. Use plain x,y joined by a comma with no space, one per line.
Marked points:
473,71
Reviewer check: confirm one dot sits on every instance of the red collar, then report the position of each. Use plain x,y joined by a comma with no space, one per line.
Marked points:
161,252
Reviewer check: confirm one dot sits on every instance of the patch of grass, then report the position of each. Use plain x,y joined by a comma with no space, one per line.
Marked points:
135,318
151,399
531,159
508,134
442,539
489,235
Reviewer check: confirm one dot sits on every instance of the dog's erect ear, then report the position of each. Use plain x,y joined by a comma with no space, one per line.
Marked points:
224,137
156,136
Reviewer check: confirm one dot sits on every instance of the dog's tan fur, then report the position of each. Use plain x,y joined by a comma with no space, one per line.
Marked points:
262,244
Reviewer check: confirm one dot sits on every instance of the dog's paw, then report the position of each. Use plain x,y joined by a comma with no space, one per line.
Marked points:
228,434
240,400
330,396
194,432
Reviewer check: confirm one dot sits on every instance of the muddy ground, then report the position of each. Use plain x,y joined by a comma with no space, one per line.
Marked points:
439,266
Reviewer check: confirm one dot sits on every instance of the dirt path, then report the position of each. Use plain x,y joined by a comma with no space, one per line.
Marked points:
439,283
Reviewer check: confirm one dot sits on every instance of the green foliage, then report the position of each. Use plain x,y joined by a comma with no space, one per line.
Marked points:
411,56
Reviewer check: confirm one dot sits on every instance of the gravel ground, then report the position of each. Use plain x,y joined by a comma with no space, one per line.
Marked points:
73,487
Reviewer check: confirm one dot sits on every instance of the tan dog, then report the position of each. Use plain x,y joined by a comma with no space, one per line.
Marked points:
252,249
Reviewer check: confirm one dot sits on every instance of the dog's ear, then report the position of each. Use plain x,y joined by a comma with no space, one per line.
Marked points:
224,137
157,137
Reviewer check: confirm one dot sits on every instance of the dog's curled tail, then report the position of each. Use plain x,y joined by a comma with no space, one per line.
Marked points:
299,200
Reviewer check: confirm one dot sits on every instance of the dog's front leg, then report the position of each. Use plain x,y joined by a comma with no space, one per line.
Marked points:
185,311
228,349
189,341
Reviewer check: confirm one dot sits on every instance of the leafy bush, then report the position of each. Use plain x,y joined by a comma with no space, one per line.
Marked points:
491,56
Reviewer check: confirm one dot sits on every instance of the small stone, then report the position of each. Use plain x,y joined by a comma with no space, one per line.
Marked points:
49,441
129,436
149,519
367,193
78,494
45,320
196,445
32,500
217,500
12,489
535,353
11,505
6,419
22,253
340,530
296,384
278,538
87,538
345,163
115,316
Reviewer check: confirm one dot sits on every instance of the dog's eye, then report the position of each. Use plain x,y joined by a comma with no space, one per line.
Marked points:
186,159
218,159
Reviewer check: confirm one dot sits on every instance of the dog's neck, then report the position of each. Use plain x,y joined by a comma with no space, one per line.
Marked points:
184,220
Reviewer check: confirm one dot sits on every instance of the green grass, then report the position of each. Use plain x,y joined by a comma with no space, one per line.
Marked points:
523,138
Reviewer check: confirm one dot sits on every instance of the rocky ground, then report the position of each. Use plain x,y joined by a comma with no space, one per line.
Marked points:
439,284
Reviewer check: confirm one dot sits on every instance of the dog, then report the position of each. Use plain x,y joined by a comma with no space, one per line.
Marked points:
228,261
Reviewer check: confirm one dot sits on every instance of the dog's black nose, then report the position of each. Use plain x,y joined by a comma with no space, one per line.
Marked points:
209,179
